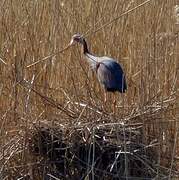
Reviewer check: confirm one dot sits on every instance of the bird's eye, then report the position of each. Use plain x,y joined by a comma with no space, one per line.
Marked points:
77,39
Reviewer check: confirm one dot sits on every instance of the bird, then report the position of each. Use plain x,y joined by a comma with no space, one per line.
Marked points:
109,72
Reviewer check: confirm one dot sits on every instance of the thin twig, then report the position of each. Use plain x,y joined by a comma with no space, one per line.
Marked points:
3,61
25,83
116,18
48,57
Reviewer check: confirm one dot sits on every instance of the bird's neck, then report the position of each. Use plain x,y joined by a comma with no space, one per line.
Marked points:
85,47
89,56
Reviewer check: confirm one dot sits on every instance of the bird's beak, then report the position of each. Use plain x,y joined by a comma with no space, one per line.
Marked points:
71,42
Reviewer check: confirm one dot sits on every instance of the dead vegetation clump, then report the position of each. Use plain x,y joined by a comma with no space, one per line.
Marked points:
109,151
111,148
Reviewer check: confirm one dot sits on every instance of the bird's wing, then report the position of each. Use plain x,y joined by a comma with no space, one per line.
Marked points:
111,75
105,75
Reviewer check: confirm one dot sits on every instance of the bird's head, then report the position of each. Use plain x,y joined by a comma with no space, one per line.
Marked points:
77,38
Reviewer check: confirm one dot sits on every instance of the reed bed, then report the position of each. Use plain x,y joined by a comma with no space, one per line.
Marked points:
54,122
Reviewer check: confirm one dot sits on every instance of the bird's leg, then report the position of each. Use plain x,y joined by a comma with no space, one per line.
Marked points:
105,100
114,103
105,97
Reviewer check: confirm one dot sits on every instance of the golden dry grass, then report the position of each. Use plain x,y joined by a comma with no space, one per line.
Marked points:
144,41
